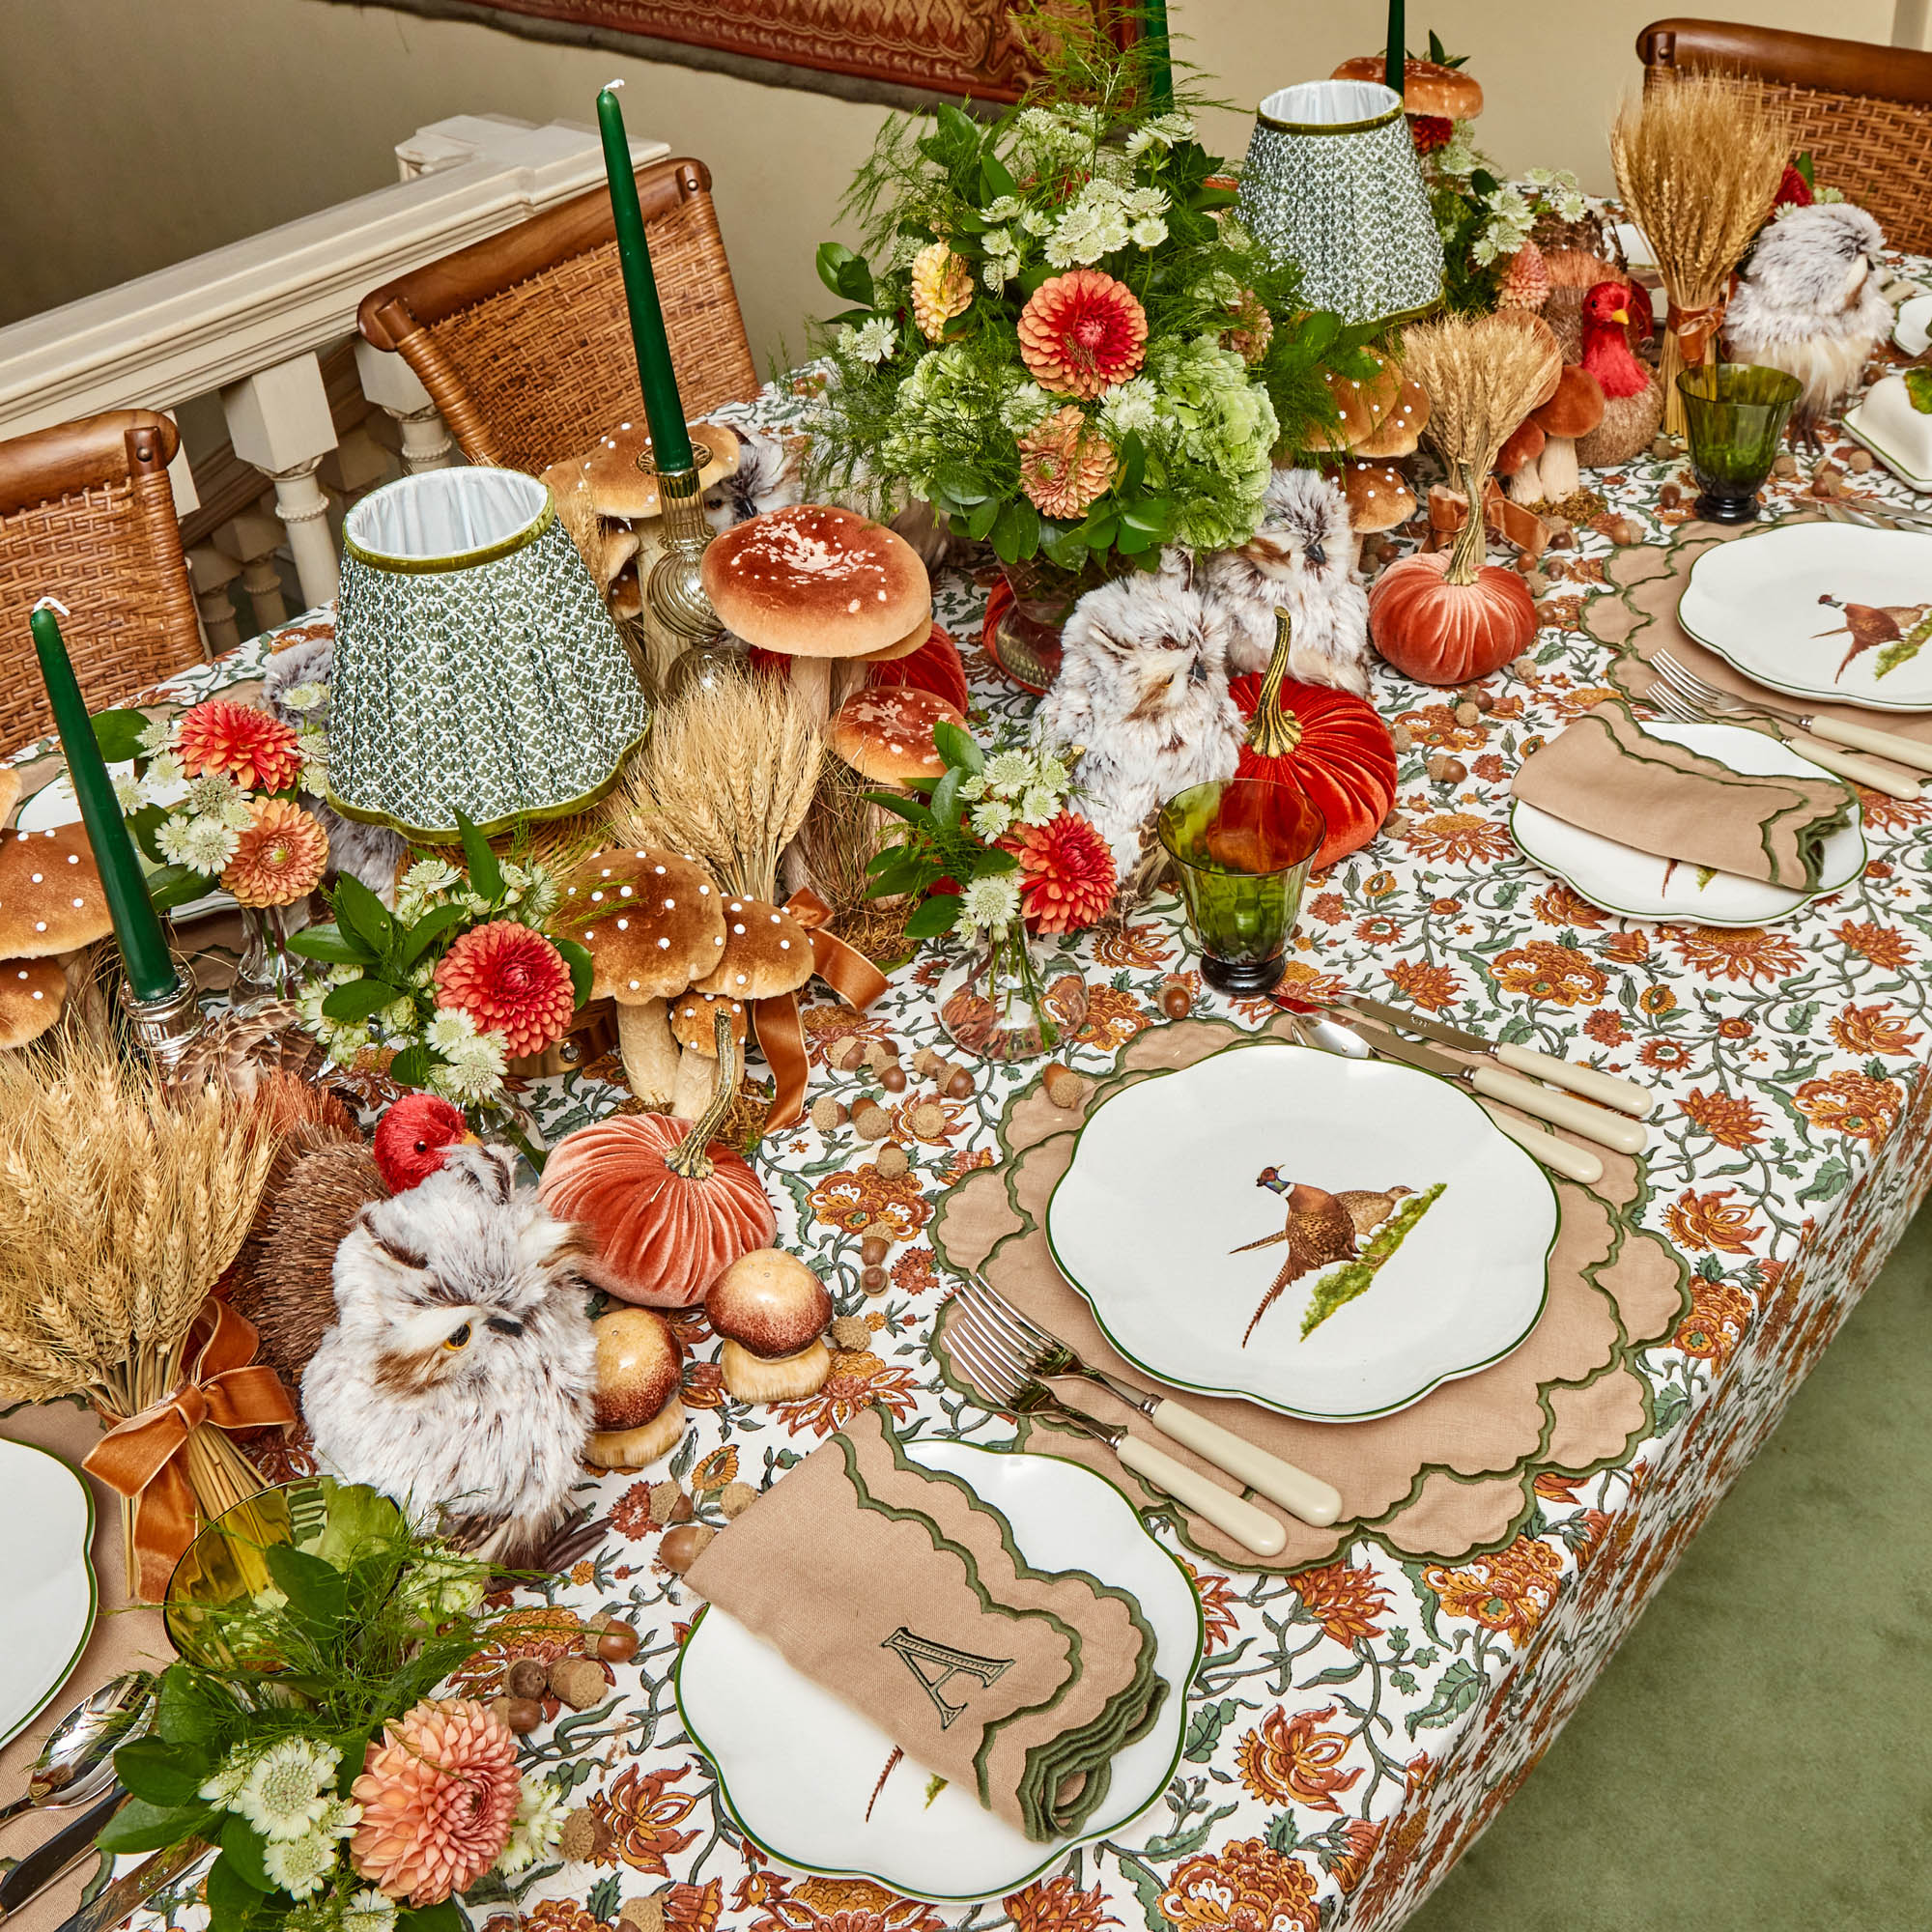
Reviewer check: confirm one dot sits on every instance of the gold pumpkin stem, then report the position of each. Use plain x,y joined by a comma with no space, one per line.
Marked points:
1471,550
1273,731
691,1158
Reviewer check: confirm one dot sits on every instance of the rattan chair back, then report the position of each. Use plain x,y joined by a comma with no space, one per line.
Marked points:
87,516
1862,111
522,340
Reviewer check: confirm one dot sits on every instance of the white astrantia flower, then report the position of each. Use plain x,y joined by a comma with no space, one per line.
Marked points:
1007,772
1002,208
989,904
429,875
473,1069
298,1865
1037,806
157,734
129,794
304,697
399,1017
235,815
536,1828
229,1777
313,746
1150,232
165,780
1036,220
992,820
201,844
284,1796
1144,200
972,786
874,341
369,1911
451,1029
1023,407
1128,406
1050,770
208,794
339,1820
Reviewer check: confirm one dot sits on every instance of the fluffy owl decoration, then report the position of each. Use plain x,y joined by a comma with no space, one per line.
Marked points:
766,479
1301,560
1142,695
460,1372
1808,303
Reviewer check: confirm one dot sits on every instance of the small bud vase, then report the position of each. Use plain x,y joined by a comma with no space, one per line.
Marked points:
1011,997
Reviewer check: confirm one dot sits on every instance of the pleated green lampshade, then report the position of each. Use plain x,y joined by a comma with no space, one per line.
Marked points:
1332,184
476,668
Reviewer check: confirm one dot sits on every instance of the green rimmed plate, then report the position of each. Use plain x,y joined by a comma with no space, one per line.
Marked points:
797,1767
1177,1181
48,1609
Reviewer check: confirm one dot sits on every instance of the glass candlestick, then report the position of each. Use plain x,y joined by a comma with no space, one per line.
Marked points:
1734,414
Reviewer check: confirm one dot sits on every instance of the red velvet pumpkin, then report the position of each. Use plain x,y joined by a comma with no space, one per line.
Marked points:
1441,624
1341,758
934,667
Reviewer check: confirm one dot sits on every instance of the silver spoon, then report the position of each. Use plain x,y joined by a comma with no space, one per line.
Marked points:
76,1762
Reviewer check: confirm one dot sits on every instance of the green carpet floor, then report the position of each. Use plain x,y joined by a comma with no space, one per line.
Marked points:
1757,1757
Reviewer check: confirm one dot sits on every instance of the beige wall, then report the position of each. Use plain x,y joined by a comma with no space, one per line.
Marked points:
139,132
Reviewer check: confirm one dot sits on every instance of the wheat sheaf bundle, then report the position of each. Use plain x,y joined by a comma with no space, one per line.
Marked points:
1697,161
726,777
1483,373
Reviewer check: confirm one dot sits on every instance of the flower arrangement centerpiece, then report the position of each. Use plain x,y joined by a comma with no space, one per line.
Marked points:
993,854
1490,259
460,979
1058,334
301,1733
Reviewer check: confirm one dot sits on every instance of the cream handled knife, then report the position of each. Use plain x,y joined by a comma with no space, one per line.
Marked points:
1606,1088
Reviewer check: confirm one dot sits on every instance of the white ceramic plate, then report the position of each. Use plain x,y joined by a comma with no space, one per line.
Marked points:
48,1608
1640,885
1757,602
1853,424
797,1766
1167,1178
1912,328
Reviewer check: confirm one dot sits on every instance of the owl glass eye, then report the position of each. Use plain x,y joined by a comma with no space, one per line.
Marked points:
456,1338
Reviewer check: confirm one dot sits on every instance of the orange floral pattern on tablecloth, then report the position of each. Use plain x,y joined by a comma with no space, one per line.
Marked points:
1245,1886
856,1197
1288,1758
1714,1220
641,1814
1509,1592
1347,1600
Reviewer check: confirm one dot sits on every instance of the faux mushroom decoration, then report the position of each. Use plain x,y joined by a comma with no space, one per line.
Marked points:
767,953
1361,407
1517,461
1574,409
771,1311
1399,434
1380,496
694,1026
639,1407
51,904
887,735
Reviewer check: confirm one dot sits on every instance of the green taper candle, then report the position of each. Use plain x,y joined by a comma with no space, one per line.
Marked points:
1396,60
137,925
670,440
1160,74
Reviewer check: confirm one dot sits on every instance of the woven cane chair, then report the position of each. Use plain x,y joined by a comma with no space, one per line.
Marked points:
1864,111
87,516
524,343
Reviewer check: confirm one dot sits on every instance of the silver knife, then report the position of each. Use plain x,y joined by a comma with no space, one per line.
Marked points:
1611,1130
127,1895
1626,1096
45,1862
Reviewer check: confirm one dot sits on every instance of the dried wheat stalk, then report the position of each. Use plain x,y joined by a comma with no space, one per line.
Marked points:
1698,162
1483,373
726,775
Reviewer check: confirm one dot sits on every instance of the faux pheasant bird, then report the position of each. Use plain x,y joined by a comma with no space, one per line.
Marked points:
1322,1228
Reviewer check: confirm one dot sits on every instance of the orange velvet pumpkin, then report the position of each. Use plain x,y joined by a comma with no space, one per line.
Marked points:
1339,753
662,1236
1441,624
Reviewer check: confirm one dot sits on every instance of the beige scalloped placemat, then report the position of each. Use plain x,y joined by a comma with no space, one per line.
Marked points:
1446,1477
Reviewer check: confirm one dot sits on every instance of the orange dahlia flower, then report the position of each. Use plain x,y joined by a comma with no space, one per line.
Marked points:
237,741
438,1796
1064,463
509,980
1066,873
280,858
1082,333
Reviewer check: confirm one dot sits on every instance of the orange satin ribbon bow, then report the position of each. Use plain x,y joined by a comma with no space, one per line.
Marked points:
781,1033
1693,329
1449,511
222,1386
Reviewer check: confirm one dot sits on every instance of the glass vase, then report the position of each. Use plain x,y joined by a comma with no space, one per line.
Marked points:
266,968
1023,627
1011,996
1734,414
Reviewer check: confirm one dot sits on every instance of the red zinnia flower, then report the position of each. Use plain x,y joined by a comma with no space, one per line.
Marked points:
509,980
1430,131
237,741
1794,191
1066,873
1082,333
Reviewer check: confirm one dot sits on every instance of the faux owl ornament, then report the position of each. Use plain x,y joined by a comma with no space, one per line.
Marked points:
766,479
1142,701
1302,560
460,1372
1809,303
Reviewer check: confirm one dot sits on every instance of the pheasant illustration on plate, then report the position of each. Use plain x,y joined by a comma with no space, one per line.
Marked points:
1897,632
1323,1228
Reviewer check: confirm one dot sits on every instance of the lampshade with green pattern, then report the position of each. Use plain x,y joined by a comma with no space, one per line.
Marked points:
476,668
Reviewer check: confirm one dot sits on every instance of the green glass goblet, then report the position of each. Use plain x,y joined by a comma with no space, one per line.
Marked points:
1242,848
1733,414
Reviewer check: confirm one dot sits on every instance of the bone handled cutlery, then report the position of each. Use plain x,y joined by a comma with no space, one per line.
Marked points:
1039,1351
1840,731
1606,1088
1014,1392
1673,703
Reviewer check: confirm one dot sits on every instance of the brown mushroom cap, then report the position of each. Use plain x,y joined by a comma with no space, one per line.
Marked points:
616,547
769,1303
887,735
693,1021
652,921
1577,406
1378,497
766,953
1400,432
1525,445
1363,406
32,993
1428,87
618,488
810,580
906,645
639,1367
50,895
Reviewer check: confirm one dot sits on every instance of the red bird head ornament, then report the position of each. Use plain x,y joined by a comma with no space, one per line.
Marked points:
413,1137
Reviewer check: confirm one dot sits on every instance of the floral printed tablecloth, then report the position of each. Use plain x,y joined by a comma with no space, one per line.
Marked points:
1353,1728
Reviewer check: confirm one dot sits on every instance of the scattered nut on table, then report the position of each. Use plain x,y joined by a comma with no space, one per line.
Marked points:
735,1498
851,1332
873,1249
680,1548
578,1682
893,1160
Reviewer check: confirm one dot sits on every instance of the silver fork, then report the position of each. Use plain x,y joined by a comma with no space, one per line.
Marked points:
1042,1353
1861,737
1003,1383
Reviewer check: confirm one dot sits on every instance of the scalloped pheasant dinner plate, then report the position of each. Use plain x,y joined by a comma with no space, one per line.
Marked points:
1831,611
801,1770
1328,1237
48,1609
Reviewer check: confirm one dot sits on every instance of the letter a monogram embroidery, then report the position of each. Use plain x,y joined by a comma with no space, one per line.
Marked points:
923,1656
